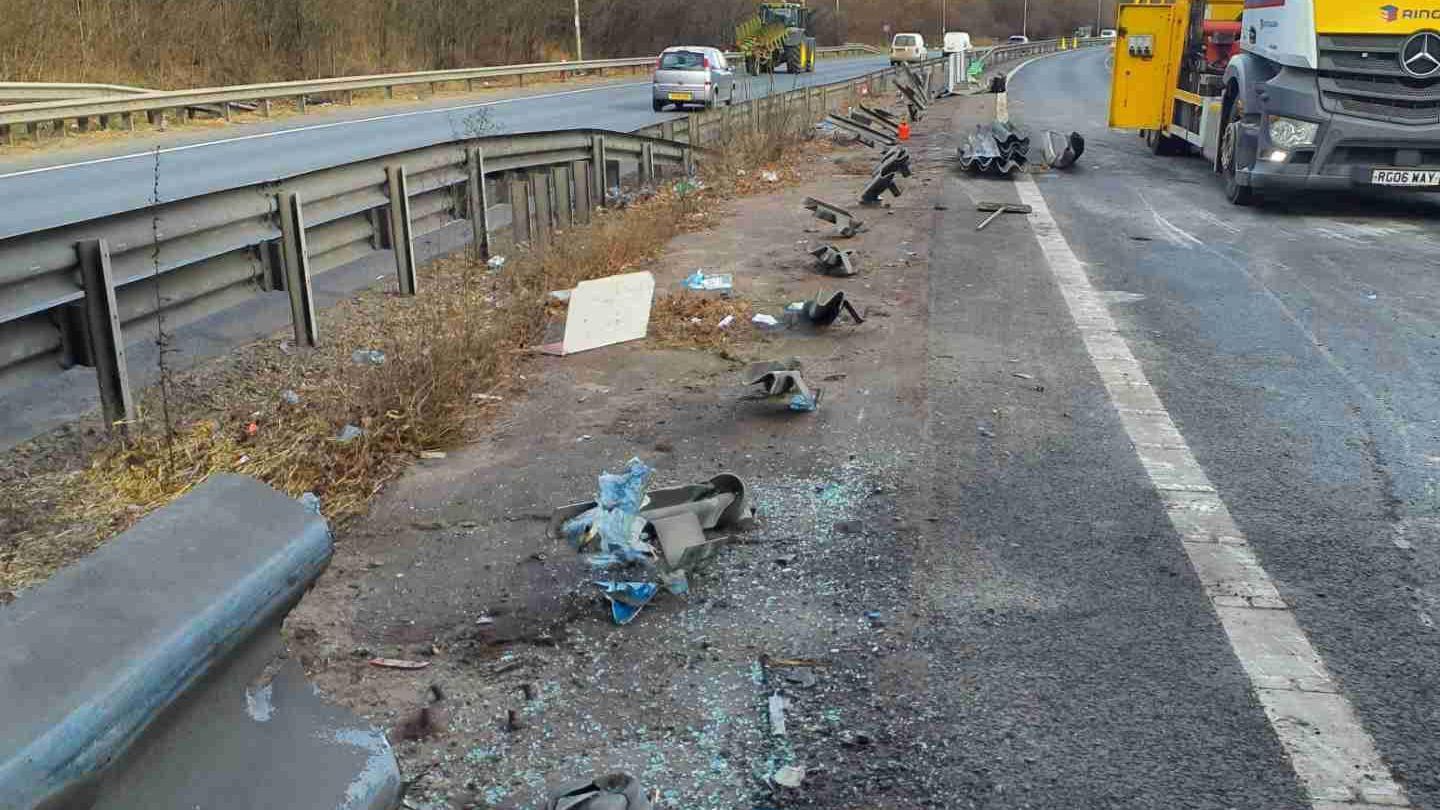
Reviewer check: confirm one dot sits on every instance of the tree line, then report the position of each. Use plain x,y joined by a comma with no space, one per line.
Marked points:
191,43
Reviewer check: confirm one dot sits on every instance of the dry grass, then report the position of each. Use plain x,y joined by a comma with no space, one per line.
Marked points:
693,320
465,334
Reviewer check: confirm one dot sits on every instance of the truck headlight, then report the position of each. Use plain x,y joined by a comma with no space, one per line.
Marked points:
1291,133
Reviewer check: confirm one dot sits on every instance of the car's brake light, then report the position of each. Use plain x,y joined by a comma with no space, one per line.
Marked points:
657,64
705,63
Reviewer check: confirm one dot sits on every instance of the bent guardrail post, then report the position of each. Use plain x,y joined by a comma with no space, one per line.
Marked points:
297,269
541,223
478,201
103,335
402,234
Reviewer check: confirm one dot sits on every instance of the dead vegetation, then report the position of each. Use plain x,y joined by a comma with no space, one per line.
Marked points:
282,414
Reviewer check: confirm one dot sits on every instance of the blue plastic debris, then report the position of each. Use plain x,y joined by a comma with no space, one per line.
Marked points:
627,599
716,282
618,523
615,519
804,402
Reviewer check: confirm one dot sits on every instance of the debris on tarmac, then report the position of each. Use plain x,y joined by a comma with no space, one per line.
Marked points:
789,776
626,517
824,313
398,663
616,791
765,321
780,380
348,434
1062,151
627,599
996,209
777,715
834,261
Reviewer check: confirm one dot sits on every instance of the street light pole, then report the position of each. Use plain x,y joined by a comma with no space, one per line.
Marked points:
579,57
1024,19
943,25
1098,17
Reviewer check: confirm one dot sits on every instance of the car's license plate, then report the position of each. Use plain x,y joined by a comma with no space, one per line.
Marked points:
679,96
1405,177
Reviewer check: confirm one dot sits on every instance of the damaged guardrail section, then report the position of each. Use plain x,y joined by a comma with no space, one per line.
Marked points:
153,670
70,295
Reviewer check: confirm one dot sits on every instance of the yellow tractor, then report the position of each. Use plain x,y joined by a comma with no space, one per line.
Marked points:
777,35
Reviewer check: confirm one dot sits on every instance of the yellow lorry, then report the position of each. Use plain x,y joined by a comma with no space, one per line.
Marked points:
1286,94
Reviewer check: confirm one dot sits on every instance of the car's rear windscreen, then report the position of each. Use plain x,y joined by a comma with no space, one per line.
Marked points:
906,41
682,60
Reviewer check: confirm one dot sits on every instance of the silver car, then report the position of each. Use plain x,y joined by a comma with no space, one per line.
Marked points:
692,75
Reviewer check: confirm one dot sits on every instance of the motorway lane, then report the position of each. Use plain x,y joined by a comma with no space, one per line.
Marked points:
79,188
1295,347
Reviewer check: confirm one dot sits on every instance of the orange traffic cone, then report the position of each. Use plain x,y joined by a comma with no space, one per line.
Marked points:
904,133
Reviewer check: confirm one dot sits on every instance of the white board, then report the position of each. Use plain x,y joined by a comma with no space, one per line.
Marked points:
606,311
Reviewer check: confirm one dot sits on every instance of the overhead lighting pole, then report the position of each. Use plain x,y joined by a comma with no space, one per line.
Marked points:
1099,16
943,24
579,57
1024,19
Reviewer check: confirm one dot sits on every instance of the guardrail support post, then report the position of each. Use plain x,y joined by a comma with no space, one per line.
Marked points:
667,130
296,256
265,107
560,182
103,333
10,137
300,103
647,163
519,209
401,228
597,164
479,202
580,176
540,193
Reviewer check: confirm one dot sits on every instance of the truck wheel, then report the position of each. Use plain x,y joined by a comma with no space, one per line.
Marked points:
657,104
1162,144
792,59
1229,147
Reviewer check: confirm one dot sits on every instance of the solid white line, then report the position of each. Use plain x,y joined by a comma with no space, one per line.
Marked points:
313,128
1331,753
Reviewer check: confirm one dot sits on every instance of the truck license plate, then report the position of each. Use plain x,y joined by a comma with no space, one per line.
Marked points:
1405,177
679,96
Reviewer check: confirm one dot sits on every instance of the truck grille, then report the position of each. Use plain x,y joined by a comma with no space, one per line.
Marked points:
1360,75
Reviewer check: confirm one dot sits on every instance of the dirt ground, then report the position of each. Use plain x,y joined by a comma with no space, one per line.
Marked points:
453,566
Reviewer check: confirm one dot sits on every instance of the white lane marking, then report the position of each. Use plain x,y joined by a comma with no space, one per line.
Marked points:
1332,754
313,128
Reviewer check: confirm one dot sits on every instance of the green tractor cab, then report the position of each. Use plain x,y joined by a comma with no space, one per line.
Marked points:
778,35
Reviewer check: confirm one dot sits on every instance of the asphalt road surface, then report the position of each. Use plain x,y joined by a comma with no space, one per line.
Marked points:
1294,346
72,186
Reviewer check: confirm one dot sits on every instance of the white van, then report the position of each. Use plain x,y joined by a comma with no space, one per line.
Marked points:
907,48
956,42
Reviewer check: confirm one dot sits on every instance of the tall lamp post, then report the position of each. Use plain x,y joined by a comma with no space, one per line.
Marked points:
578,56
1024,19
943,24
